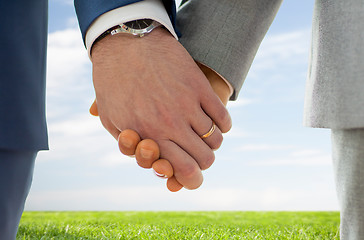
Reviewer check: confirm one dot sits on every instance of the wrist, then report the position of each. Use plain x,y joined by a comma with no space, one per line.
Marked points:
113,44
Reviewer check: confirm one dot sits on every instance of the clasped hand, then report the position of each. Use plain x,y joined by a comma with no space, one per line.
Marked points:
152,85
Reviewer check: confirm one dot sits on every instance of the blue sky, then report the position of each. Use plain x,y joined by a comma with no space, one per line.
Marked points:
268,161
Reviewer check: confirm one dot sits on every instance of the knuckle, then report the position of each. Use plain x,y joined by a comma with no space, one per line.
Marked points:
168,120
189,172
216,142
144,163
207,160
150,129
194,185
106,123
225,120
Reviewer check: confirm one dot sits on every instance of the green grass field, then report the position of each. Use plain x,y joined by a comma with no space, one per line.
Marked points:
179,225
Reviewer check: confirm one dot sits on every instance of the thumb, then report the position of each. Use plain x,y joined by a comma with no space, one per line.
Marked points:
93,109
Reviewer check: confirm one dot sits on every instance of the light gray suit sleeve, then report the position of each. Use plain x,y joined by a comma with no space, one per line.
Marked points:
335,86
226,34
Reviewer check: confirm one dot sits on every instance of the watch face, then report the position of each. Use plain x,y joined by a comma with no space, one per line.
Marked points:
139,24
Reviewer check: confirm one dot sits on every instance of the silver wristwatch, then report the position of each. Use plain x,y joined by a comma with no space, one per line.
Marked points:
139,27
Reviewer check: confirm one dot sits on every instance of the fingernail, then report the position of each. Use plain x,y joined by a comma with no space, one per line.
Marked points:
159,174
126,142
146,153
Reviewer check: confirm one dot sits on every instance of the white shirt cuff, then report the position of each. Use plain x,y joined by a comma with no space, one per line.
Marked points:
153,9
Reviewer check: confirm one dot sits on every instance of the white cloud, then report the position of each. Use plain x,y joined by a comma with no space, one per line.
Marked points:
290,48
279,70
297,159
115,158
236,132
133,198
263,147
239,103
72,22
290,155
68,67
306,153
77,125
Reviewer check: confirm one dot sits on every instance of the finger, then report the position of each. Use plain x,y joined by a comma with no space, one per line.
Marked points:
163,168
216,110
192,144
146,153
93,109
173,185
215,139
217,83
128,140
185,168
208,131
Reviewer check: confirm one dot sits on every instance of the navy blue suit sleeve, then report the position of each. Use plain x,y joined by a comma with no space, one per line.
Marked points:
170,6
88,10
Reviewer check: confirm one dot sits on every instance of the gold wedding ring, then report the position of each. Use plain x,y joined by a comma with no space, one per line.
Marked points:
210,132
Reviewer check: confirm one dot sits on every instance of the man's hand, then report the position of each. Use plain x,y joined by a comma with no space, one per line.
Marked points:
153,86
130,143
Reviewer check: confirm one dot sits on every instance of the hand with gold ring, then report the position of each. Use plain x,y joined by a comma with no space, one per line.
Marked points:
147,151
